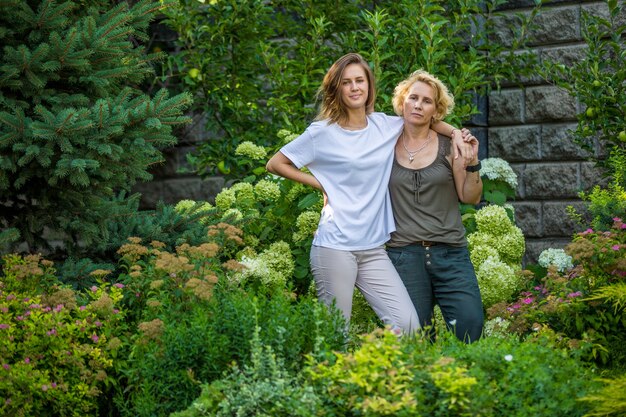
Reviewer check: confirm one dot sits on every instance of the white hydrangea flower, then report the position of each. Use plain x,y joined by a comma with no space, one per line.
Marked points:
493,219
225,199
498,169
286,135
556,257
267,190
306,224
232,213
497,281
251,150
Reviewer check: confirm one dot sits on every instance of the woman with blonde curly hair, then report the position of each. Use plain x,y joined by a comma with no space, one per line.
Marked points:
348,151
428,247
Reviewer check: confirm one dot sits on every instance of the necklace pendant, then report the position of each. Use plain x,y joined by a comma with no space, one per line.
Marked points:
411,158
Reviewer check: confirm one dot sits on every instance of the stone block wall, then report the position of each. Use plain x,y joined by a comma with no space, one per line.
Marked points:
526,125
529,126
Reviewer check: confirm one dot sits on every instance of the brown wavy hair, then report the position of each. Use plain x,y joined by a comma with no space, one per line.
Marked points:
329,93
444,101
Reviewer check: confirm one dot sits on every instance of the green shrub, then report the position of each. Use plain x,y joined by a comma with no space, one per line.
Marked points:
57,352
263,387
165,373
410,377
585,305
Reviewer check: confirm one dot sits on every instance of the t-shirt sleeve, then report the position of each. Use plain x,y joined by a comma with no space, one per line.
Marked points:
301,150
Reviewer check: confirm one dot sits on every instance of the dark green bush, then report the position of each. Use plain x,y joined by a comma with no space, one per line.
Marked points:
165,374
74,127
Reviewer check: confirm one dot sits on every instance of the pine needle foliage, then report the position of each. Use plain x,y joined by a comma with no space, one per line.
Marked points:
75,129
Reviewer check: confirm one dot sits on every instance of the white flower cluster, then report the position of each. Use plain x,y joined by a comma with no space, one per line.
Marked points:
556,257
273,267
498,169
497,281
251,150
497,327
286,136
244,196
496,251
306,224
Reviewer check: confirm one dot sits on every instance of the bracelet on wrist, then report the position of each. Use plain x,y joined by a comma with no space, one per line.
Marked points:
452,131
473,168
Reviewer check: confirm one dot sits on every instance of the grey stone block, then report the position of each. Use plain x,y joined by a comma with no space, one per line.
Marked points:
528,217
556,25
557,143
516,143
506,107
557,221
549,104
545,181
590,176
171,191
566,55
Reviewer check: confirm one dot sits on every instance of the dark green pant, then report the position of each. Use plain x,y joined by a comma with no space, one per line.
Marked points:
443,275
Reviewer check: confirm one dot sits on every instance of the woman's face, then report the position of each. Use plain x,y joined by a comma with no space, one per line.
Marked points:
419,104
354,86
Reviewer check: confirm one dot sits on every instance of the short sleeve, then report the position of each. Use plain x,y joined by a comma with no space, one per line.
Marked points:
300,151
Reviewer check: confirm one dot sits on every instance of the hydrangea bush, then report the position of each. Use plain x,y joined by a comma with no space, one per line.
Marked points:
496,250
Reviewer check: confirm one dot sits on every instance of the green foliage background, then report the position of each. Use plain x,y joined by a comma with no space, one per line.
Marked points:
254,67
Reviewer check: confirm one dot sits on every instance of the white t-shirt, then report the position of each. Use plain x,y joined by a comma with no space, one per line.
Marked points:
354,169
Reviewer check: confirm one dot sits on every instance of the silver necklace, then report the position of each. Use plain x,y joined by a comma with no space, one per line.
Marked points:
413,153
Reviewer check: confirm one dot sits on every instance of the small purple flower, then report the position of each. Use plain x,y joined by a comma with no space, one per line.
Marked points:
10,297
95,338
615,247
119,285
617,219
52,332
6,366
26,360
34,306
527,300
82,308
515,306
54,385
98,323
574,294
26,299
586,232
623,226
115,311
4,326
19,318
58,308
94,288
46,309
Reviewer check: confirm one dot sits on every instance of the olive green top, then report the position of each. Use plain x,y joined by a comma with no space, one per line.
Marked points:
425,202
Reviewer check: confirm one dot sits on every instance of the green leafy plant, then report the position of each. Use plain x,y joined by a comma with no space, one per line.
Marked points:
585,305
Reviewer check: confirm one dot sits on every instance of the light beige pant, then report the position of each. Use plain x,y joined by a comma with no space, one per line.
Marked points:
337,272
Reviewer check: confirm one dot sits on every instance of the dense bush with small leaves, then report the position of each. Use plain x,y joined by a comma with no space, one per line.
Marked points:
57,347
